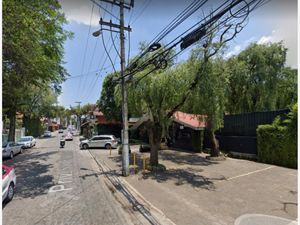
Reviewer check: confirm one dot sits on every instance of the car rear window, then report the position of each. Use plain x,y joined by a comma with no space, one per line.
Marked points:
25,139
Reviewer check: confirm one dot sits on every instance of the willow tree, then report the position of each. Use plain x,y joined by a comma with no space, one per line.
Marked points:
33,38
156,95
259,80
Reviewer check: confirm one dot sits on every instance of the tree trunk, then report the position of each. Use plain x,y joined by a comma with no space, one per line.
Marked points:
154,132
215,152
12,124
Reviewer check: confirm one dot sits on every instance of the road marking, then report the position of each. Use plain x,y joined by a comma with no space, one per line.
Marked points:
64,182
246,174
57,188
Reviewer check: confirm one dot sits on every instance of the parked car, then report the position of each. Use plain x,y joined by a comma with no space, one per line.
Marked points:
10,149
69,137
100,141
8,183
60,131
27,141
47,133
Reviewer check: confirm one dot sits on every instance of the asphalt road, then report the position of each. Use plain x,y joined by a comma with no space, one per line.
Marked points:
60,187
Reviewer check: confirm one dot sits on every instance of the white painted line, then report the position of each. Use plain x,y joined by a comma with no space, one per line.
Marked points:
246,174
57,188
64,182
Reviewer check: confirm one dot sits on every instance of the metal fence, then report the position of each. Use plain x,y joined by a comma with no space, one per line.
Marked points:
247,123
239,131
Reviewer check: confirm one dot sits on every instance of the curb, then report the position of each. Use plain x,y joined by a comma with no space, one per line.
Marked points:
152,214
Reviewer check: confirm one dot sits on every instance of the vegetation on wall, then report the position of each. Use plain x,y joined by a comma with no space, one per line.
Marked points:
277,142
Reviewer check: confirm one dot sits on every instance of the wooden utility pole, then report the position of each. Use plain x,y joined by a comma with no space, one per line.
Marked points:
78,117
121,28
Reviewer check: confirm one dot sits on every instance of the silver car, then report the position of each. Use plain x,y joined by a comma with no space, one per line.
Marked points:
27,141
100,141
10,149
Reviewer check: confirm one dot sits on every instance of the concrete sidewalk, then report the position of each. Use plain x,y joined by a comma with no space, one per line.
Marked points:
194,190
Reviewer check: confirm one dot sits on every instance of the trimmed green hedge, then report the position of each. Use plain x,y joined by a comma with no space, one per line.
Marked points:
277,142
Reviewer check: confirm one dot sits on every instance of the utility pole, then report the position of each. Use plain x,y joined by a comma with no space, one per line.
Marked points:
125,136
78,117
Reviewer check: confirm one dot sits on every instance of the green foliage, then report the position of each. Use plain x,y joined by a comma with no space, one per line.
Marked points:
107,102
158,93
209,96
277,143
33,126
259,81
33,38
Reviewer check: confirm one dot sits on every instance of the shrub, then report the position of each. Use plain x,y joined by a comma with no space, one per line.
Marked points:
277,142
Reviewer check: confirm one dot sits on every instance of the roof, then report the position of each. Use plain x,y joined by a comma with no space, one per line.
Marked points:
96,113
196,122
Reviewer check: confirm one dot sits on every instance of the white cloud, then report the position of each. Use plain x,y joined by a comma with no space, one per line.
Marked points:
287,35
79,11
265,40
238,48
235,51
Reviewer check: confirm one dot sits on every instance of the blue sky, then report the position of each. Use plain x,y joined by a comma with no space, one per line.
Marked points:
87,62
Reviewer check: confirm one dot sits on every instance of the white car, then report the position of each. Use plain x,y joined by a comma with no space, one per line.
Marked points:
100,141
8,183
69,137
27,141
47,134
10,149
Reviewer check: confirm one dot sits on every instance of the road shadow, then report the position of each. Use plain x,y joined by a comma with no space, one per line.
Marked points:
185,158
31,171
117,160
187,176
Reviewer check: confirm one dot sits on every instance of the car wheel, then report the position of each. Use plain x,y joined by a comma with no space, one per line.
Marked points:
10,192
22,150
108,146
11,155
85,146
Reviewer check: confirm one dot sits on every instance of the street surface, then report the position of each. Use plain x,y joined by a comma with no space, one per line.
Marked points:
60,187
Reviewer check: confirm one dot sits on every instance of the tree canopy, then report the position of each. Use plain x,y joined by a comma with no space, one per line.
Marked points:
259,80
33,37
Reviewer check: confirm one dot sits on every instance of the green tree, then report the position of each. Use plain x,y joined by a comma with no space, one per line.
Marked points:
259,81
156,95
287,88
163,92
33,37
107,103
209,97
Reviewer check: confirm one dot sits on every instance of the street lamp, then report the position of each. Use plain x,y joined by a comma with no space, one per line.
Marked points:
97,33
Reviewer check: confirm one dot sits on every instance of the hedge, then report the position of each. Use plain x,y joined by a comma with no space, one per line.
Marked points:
277,142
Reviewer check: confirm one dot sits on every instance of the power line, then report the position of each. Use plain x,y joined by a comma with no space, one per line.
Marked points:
128,56
94,83
105,10
85,50
97,80
108,52
94,51
93,54
114,44
188,11
208,22
141,12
